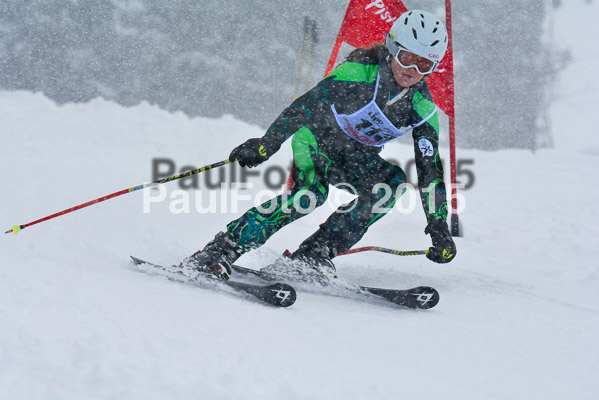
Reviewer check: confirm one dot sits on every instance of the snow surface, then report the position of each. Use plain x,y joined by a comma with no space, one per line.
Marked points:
518,316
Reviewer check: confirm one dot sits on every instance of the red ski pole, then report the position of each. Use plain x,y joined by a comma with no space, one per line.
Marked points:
17,228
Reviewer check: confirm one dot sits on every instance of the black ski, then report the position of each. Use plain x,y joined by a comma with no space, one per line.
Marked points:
421,297
277,294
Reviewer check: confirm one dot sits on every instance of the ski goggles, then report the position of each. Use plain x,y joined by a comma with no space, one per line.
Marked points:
407,59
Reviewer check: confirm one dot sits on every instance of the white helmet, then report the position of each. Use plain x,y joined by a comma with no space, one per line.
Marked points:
421,33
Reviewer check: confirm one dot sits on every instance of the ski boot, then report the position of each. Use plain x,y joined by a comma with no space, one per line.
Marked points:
216,258
306,264
314,257
317,251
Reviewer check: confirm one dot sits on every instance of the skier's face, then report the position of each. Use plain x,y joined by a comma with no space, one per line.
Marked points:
405,77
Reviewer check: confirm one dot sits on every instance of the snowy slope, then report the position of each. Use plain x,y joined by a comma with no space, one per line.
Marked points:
518,316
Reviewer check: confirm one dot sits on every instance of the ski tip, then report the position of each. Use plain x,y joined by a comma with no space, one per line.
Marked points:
425,297
136,260
421,297
282,294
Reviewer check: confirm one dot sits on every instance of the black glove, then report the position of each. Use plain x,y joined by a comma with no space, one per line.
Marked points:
253,152
443,250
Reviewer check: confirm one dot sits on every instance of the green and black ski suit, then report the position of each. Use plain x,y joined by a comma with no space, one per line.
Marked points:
324,154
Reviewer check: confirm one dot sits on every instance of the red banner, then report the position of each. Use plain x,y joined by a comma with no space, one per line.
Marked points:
441,83
367,21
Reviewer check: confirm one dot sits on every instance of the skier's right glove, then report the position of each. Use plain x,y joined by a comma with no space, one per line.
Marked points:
443,250
254,152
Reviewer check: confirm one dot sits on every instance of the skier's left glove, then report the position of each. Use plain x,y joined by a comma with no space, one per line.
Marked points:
254,152
443,250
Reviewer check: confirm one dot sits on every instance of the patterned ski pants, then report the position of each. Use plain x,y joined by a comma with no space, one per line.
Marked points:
316,165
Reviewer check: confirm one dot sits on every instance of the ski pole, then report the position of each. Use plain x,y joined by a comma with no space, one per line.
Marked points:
298,79
17,228
313,43
384,250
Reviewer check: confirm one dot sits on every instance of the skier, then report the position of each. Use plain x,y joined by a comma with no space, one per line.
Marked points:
338,129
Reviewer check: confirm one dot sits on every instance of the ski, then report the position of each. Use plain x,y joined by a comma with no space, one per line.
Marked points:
421,297
277,294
